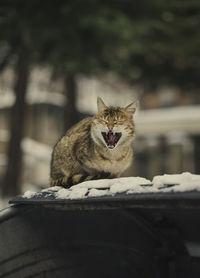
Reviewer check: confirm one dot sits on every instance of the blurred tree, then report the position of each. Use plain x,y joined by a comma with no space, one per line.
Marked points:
17,122
70,111
165,47
73,37
149,42
14,45
88,39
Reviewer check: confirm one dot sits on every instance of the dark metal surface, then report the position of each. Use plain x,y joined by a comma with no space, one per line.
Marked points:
137,235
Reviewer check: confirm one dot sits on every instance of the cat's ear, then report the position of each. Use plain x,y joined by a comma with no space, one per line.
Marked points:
130,109
100,104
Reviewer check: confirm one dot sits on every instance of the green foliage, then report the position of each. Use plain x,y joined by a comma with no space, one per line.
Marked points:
144,41
167,48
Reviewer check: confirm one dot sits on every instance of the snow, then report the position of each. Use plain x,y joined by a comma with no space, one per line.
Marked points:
130,185
77,193
29,194
98,193
126,184
183,182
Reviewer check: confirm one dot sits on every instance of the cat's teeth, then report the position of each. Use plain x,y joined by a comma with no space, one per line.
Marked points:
111,146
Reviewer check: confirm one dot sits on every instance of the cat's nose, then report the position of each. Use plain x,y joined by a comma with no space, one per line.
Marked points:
110,127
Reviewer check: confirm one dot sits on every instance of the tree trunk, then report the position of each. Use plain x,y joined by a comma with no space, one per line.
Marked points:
197,154
70,111
11,182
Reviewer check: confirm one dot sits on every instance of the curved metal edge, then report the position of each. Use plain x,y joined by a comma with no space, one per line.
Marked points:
12,211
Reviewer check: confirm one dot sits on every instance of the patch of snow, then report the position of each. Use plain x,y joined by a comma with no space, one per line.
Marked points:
182,182
131,185
112,186
78,193
29,194
93,184
62,193
98,192
107,183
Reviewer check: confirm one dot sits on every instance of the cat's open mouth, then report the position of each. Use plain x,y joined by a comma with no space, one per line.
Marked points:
111,138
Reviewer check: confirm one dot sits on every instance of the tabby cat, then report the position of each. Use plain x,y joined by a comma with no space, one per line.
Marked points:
95,148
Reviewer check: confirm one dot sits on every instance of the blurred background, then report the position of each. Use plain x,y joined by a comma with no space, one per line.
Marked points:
56,57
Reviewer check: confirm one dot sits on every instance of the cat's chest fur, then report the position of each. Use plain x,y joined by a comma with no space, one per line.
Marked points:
112,166
112,161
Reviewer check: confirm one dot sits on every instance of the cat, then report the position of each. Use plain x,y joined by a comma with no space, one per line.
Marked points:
95,148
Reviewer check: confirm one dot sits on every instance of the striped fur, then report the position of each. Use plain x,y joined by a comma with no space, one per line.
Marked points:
82,154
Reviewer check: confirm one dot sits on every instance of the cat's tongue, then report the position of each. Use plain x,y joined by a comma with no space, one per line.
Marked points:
112,138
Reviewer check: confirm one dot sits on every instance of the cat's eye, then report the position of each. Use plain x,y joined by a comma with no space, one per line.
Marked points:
104,121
